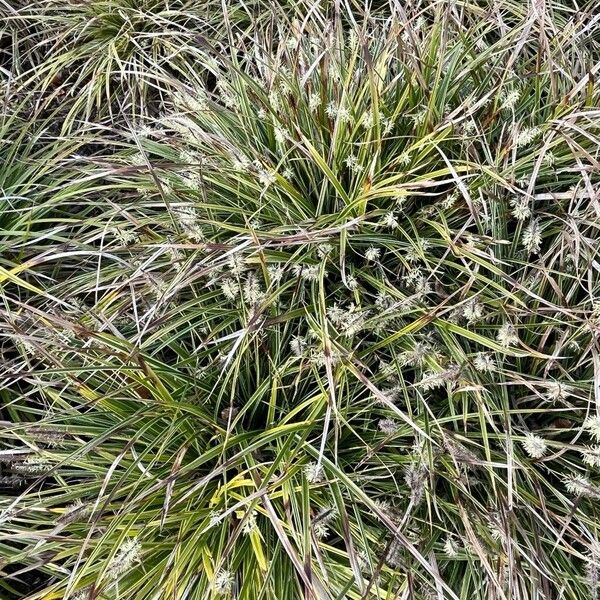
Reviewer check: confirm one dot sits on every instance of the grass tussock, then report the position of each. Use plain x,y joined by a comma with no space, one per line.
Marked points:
299,300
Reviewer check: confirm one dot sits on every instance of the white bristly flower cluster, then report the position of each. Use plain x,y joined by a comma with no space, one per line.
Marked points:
372,254
353,164
521,209
415,477
307,272
223,582
549,158
556,391
497,528
469,128
581,486
431,380
592,570
526,136
388,426
249,523
236,265
383,300
591,456
394,554
7,515
320,359
124,237
128,553
418,250
176,257
352,282
138,159
321,530
251,290
314,101
74,512
322,520
419,117
226,93
32,465
341,113
417,357
276,272
507,335
215,519
592,424
484,362
389,395
313,472
592,577
298,346
240,163
390,220
435,379
46,436
324,250
450,200
266,178
404,159
534,445
280,134
230,288
451,547
532,238
386,124
459,452
509,98
385,508
473,310
184,126
349,321
195,103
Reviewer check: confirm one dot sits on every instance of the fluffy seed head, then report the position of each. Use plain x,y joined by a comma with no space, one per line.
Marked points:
321,530
298,345
372,254
314,101
521,209
592,424
390,220
128,553
415,476
509,99
527,135
534,445
473,310
507,335
230,289
451,547
388,426
591,456
353,164
532,237
223,582
313,472
581,486
484,362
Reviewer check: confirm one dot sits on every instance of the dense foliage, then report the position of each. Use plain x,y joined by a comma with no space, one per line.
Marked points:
299,300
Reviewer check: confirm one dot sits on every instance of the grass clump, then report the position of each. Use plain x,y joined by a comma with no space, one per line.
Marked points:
307,308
